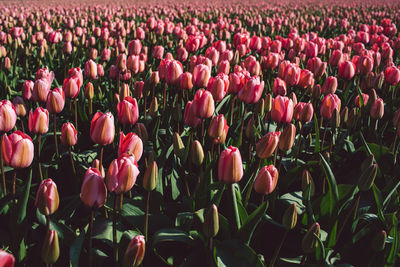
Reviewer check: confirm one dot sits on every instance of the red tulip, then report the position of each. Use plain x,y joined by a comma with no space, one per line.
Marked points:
6,259
91,69
282,109
128,111
357,101
47,199
102,129
329,104
122,174
392,75
218,128
55,101
266,180
69,135
279,87
8,116
252,91
201,75
347,70
134,47
93,190
38,121
173,71
377,109
17,150
189,116
230,168
330,85
130,144
185,81
292,74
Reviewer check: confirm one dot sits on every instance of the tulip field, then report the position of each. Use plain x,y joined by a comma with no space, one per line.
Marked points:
210,133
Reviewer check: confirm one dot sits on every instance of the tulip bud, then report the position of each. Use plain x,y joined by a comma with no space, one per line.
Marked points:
179,147
307,181
353,118
378,241
68,134
344,116
154,78
50,248
268,103
197,153
150,177
367,178
141,131
267,144
20,106
377,109
211,222
89,91
153,107
230,168
289,219
286,139
134,253
335,120
260,106
250,129
47,198
310,241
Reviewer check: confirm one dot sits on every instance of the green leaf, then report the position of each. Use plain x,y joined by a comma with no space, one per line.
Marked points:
75,250
250,224
23,204
316,128
378,201
394,249
235,253
333,189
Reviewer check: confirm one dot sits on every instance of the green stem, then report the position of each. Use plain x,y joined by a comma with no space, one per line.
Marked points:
101,158
235,207
55,135
76,113
2,168
14,181
90,238
39,166
72,160
146,218
278,249
115,249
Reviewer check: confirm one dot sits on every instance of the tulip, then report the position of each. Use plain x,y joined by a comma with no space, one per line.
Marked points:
266,180
197,153
19,105
150,177
91,69
50,248
279,87
217,126
292,74
122,174
128,111
377,109
252,91
347,70
39,121
329,104
218,86
267,144
286,139
211,222
309,242
130,144
27,89
185,81
330,85
203,104
96,165
392,75
47,199
201,75
289,219
102,129
230,168
134,47
8,116
71,86
306,113
378,241
17,150
93,190
173,71
134,253
306,79
357,101
282,109
68,134
55,101
6,259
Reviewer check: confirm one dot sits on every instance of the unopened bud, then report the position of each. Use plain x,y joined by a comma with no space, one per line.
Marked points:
310,241
335,119
89,91
50,248
150,177
250,130
153,107
211,222
197,153
286,140
307,181
289,219
179,147
379,240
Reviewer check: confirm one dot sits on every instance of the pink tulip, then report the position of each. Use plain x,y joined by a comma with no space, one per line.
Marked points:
122,174
134,253
93,190
252,91
218,86
282,109
130,144
201,75
6,259
69,135
266,180
17,150
47,199
230,168
55,101
39,121
189,116
27,89
102,129
328,105
128,111
203,104
8,116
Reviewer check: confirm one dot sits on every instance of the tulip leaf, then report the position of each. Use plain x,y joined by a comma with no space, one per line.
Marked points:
316,128
23,204
235,253
75,250
251,222
333,189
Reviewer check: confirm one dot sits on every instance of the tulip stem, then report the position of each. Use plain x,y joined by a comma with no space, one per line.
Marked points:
90,238
275,155
233,108
55,135
14,181
2,169
39,166
72,160
299,143
101,157
278,249
241,126
253,179
115,249
47,223
22,125
90,107
323,138
146,218
393,148
235,207
164,96
76,113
